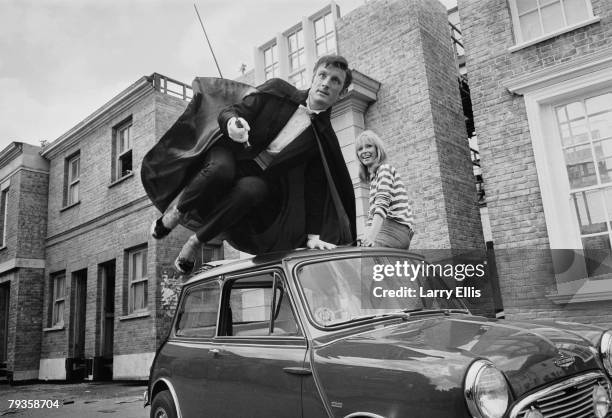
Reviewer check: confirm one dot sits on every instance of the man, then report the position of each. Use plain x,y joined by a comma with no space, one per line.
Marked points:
275,178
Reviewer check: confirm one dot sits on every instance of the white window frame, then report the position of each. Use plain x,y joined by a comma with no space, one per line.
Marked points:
327,31
518,33
72,182
58,299
542,91
137,280
274,66
299,52
120,154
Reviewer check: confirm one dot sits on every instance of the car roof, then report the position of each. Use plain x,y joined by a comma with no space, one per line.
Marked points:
220,267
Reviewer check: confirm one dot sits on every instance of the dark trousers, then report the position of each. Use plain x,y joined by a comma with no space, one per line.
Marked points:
223,192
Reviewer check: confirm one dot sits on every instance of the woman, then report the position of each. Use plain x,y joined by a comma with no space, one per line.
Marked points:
390,217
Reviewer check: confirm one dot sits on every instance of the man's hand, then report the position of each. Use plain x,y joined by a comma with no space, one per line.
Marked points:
238,129
314,242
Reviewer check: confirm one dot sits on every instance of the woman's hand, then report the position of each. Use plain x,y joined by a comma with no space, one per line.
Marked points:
367,242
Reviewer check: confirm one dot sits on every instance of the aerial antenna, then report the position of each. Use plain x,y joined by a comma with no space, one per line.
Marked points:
206,36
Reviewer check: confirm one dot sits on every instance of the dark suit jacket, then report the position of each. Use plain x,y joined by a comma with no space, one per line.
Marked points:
325,206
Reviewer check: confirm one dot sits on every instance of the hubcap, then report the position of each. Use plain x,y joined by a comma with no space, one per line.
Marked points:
160,413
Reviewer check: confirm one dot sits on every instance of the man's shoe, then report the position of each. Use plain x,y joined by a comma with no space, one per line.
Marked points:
158,229
183,265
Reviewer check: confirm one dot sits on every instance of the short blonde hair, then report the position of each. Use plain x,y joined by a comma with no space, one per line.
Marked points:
369,137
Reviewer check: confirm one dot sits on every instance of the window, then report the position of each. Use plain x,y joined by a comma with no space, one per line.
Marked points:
122,150
72,176
211,252
585,130
325,35
3,215
257,306
137,279
58,302
198,314
271,62
534,19
568,110
297,59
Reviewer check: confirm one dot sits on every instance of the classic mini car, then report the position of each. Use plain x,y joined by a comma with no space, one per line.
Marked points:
358,332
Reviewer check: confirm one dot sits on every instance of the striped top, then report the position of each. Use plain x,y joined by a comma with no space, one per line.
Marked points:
388,197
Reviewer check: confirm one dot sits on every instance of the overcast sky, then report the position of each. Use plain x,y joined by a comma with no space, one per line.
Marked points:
62,59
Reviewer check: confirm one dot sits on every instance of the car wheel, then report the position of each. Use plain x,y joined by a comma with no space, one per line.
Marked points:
163,406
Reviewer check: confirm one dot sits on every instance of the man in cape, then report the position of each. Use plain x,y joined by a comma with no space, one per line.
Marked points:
267,175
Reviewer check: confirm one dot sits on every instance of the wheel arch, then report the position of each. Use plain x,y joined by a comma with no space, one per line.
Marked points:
164,384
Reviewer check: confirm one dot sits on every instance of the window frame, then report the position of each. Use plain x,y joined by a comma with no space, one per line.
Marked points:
326,33
300,54
542,91
175,328
72,183
131,309
118,154
274,67
277,276
56,300
4,204
517,29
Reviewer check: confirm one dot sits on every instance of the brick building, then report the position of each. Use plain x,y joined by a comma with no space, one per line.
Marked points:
540,75
23,205
102,315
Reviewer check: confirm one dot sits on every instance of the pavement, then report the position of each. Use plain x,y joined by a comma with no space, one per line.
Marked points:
91,399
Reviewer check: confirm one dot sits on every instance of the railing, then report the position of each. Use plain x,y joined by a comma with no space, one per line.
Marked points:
171,87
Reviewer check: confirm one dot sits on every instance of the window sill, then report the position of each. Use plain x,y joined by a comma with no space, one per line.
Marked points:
55,328
122,179
70,206
135,315
585,290
542,38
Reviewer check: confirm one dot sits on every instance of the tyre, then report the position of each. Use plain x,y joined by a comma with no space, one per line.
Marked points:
163,406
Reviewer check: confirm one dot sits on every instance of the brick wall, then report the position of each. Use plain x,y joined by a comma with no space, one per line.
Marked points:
32,219
405,44
110,220
28,322
508,165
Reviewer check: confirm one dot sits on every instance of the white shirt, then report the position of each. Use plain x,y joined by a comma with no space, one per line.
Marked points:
297,123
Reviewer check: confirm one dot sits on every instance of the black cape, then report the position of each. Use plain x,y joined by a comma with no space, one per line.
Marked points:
173,161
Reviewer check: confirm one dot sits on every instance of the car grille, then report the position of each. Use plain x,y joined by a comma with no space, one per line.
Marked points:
572,398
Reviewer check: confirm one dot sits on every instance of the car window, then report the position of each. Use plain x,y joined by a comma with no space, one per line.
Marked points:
198,313
252,303
343,290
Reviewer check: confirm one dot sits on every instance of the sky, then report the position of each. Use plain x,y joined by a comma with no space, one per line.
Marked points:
60,60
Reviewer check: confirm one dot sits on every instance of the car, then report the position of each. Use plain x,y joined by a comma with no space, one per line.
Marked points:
366,332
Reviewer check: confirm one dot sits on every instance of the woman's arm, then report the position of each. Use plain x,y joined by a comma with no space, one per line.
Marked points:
380,204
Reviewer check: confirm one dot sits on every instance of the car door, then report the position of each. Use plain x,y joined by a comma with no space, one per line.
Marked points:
190,351
258,369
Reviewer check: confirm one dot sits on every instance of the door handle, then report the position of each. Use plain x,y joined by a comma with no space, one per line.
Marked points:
214,351
302,371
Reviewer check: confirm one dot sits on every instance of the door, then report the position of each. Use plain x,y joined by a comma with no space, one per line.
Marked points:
78,366
5,290
107,318
257,368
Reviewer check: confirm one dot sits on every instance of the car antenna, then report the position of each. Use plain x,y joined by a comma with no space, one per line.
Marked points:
207,40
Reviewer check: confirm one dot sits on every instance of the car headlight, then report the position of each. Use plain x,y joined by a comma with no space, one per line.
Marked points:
486,391
605,349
